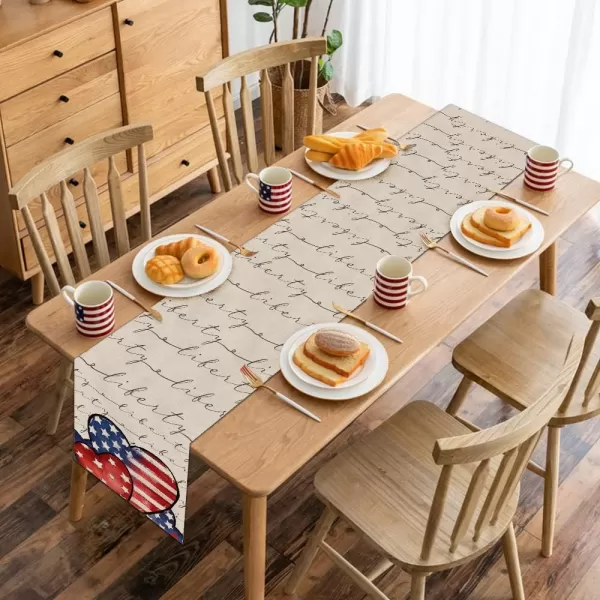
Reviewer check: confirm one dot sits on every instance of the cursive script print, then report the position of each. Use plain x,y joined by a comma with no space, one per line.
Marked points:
164,384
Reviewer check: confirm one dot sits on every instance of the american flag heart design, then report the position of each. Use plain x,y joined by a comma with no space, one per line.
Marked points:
95,321
133,472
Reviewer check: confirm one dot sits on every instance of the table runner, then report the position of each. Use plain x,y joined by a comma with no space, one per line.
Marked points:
143,394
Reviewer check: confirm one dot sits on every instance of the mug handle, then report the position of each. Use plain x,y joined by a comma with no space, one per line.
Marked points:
564,160
68,293
247,180
420,280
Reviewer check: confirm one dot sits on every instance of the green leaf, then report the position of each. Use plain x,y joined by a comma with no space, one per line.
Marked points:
327,71
260,2
263,17
295,3
334,41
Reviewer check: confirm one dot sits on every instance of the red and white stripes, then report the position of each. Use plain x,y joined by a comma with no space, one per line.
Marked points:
541,168
95,321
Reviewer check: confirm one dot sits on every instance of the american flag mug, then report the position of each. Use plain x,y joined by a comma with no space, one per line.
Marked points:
274,189
94,307
541,168
393,282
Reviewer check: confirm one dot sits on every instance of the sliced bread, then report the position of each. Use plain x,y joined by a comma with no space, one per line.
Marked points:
508,238
469,230
310,367
344,365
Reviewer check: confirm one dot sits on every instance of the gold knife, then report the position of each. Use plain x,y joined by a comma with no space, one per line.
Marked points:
367,323
153,312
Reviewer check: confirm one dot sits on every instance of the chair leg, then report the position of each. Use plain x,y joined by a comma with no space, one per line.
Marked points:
417,586
213,180
63,385
511,556
310,550
37,288
550,489
77,497
459,396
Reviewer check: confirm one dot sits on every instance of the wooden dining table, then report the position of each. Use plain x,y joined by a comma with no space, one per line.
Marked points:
263,442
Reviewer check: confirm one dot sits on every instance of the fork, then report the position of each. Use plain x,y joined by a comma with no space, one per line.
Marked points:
435,246
222,238
256,382
403,147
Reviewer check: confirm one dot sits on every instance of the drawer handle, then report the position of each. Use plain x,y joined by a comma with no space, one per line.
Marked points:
69,141
58,53
64,98
185,163
128,22
82,225
74,182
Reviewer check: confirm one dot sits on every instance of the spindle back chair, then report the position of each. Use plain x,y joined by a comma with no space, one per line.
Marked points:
57,170
240,65
515,354
430,494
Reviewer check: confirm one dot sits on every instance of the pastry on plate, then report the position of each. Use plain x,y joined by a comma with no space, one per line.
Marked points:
200,261
179,248
354,157
164,269
336,342
313,369
343,365
495,226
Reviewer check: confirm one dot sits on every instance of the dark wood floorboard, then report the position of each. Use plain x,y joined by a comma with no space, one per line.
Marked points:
115,554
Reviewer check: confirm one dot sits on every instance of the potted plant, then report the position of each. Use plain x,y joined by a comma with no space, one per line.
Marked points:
301,69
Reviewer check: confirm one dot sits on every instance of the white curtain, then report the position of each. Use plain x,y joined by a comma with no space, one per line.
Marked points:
532,66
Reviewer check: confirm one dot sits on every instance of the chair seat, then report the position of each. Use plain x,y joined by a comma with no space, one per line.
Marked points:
517,354
384,486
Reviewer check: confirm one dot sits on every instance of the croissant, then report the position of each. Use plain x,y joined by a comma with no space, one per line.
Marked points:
177,249
328,144
319,156
356,156
373,136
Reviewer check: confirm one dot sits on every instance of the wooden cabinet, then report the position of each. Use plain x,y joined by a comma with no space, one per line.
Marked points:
70,70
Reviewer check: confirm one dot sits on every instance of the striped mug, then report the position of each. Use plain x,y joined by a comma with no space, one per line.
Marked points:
393,282
274,189
541,168
94,306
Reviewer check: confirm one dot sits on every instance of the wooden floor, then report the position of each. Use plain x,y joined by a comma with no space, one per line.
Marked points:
115,554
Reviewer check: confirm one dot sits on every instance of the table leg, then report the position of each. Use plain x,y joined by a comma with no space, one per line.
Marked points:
255,546
78,481
548,265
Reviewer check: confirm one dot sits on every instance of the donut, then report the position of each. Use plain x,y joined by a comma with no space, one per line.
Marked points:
501,218
200,262
336,343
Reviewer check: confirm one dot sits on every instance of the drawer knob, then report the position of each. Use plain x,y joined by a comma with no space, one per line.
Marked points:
74,182
69,141
128,22
58,53
64,98
185,163
82,225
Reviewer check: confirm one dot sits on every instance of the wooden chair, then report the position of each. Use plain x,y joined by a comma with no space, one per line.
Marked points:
516,354
241,65
57,170
429,493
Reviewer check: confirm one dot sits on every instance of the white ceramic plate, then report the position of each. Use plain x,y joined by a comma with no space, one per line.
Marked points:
371,170
528,244
357,377
188,286
336,393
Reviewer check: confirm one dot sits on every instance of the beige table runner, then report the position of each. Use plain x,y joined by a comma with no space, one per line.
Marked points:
146,392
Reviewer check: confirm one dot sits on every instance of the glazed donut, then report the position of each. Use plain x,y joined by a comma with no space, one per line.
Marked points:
501,218
200,261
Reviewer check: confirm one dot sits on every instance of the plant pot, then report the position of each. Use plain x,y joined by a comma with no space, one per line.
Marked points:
300,104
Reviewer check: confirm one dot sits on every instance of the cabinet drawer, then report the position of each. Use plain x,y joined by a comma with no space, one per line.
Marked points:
168,44
59,99
35,61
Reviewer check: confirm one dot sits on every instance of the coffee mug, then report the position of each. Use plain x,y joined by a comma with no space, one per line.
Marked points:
541,168
393,282
94,307
274,189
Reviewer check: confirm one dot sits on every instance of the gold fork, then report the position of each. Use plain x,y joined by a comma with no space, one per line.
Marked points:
435,246
222,238
256,382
